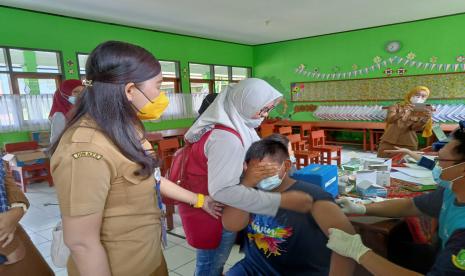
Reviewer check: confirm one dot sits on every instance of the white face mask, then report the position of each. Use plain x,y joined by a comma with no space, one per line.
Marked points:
254,123
72,100
416,99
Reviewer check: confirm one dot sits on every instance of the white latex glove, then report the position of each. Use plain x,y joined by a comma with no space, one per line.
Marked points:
348,207
346,245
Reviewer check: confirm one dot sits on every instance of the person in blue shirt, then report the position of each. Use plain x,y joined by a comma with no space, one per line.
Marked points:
446,203
289,243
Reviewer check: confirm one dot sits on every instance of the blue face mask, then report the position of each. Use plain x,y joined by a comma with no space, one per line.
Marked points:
72,100
270,183
437,171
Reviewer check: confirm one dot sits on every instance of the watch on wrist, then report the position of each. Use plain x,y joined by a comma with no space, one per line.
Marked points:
19,205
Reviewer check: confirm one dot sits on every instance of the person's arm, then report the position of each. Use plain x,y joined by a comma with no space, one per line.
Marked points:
393,114
415,155
225,155
393,208
419,125
57,125
352,247
13,192
234,219
10,219
173,191
328,215
82,237
83,184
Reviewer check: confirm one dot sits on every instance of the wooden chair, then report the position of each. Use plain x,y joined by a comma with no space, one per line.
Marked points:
304,157
30,173
285,130
266,130
318,143
305,130
166,149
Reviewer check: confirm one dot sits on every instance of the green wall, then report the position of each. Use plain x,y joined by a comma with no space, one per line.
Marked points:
276,62
20,28
440,37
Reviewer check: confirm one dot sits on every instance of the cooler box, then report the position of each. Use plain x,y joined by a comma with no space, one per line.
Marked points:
324,176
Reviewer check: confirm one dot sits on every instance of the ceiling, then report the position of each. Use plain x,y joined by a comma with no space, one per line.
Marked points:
247,21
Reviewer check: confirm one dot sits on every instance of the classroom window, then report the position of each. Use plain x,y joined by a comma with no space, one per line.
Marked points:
28,80
171,81
240,73
209,78
82,59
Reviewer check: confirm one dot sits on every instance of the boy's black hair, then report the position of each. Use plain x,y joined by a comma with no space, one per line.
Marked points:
459,135
278,138
266,147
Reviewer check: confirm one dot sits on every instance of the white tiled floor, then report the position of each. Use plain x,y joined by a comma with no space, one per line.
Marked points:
44,215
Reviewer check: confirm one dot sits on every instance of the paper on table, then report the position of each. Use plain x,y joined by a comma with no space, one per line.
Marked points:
416,180
415,172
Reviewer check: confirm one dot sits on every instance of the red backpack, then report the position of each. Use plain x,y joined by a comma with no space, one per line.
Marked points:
189,169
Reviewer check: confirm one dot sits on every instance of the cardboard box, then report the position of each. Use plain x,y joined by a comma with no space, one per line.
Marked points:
366,184
377,161
25,158
383,175
324,176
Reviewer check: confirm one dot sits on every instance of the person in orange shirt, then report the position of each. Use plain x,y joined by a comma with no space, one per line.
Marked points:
403,122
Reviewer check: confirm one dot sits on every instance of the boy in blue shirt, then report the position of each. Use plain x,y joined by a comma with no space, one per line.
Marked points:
289,243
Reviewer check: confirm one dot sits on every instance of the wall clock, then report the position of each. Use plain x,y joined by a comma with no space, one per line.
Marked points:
393,46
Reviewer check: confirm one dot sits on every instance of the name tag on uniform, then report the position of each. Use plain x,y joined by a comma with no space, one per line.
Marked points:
90,154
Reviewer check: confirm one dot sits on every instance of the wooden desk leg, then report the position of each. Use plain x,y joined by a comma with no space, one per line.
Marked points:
329,158
372,142
364,140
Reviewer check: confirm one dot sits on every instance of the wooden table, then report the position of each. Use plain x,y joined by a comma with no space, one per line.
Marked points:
368,129
155,136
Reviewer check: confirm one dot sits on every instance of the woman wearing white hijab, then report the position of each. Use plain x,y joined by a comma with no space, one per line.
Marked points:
241,107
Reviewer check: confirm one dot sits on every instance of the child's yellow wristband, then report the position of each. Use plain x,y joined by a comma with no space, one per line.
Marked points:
200,201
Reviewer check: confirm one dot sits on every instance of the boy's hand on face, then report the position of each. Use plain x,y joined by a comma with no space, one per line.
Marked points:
256,171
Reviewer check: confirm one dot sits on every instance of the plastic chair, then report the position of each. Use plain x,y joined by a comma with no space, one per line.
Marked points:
30,173
318,143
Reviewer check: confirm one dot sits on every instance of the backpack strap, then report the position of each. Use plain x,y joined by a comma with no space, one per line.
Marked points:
228,129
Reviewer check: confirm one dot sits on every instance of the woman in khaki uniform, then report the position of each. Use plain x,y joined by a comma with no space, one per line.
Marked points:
402,123
103,173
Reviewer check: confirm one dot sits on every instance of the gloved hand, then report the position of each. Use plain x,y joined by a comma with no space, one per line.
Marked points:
348,207
346,245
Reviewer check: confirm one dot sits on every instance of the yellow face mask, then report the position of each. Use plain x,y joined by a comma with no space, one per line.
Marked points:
154,108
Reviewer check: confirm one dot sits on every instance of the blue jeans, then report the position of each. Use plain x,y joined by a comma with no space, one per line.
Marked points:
210,262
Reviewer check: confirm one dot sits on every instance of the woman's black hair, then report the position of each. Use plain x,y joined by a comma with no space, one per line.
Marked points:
111,66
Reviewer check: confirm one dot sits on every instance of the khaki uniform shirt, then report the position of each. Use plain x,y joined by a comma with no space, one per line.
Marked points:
402,127
91,175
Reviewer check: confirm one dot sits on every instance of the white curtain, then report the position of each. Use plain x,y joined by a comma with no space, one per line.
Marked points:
30,112
183,105
24,112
